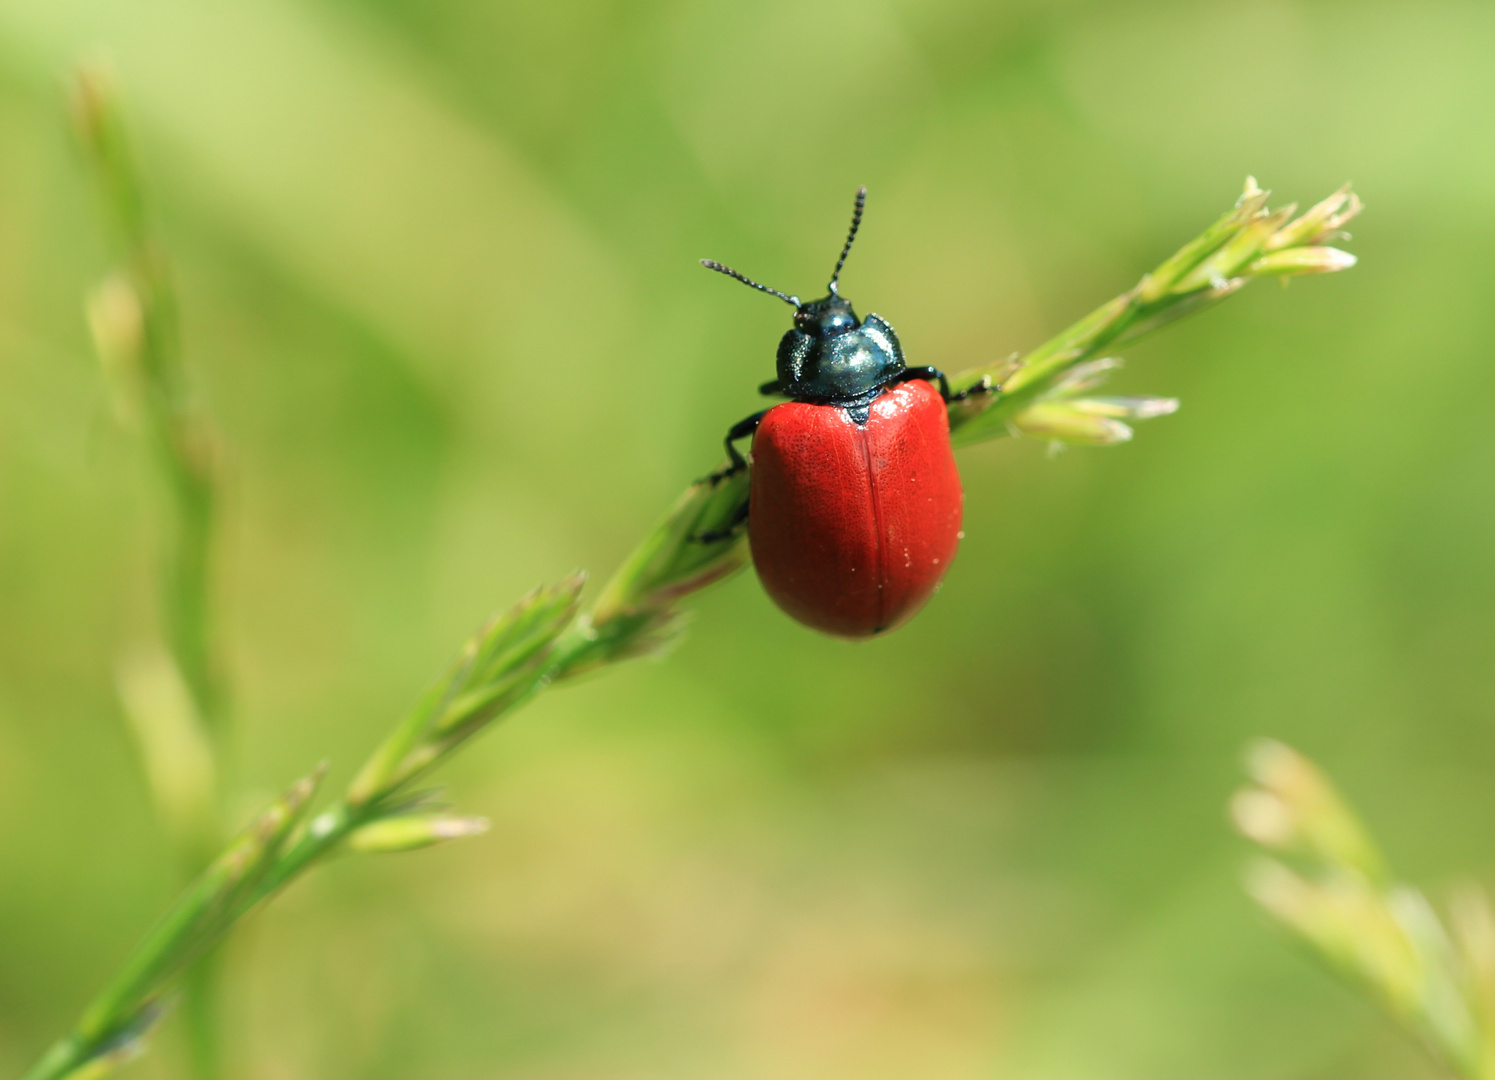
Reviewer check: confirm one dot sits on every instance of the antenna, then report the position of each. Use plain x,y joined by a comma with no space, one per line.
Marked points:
856,221
712,264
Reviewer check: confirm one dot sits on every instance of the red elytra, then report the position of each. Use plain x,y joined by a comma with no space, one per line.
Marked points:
852,527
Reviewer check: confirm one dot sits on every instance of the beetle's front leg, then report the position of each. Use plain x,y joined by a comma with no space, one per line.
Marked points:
740,430
936,375
931,374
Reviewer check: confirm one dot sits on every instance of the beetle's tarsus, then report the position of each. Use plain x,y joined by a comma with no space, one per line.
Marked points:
721,474
983,386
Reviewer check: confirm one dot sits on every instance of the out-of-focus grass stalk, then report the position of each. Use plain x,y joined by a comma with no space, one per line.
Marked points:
171,695
133,317
1381,935
547,638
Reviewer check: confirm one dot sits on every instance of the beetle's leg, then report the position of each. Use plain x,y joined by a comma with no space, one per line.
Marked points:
932,374
739,519
740,430
770,388
935,374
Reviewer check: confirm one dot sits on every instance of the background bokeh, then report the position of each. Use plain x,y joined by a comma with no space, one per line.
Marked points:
438,270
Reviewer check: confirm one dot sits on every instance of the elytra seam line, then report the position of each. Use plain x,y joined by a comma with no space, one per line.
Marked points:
880,550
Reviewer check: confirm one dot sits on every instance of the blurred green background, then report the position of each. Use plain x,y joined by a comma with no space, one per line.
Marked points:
438,270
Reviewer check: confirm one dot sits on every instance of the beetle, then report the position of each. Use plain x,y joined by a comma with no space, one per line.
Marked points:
854,504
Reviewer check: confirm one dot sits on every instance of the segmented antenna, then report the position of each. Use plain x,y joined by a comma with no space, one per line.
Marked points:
856,221
712,264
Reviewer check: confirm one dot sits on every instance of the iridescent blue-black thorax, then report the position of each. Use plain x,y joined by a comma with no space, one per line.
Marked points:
832,357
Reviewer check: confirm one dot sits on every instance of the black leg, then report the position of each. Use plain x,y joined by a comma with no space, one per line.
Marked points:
933,374
740,430
936,375
770,388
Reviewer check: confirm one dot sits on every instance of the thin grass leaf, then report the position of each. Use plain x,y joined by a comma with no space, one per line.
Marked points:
1296,262
410,832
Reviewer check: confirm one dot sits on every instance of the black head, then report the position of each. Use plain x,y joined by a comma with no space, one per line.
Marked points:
831,356
821,319
828,316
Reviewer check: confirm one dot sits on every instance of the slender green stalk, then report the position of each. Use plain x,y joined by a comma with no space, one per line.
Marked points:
546,638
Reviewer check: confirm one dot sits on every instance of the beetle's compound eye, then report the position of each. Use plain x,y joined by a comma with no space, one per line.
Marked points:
805,322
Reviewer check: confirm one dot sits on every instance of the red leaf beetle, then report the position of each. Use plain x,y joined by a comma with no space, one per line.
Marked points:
854,508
